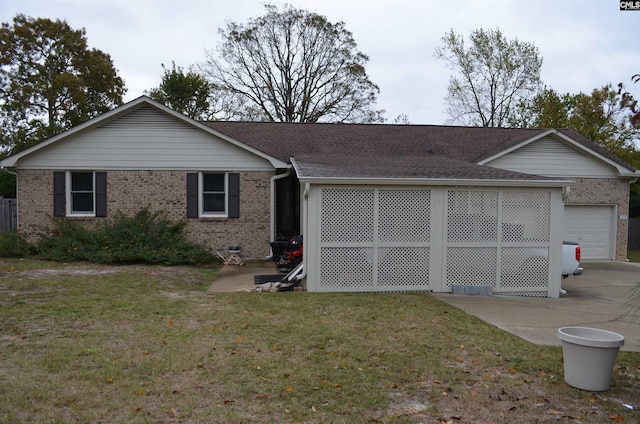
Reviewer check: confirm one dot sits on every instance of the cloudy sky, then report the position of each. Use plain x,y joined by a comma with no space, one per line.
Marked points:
585,44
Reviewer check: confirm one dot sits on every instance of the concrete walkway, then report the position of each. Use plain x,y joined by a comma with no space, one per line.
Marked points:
233,278
595,299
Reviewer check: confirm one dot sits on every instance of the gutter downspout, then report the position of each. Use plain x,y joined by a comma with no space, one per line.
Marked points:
272,186
305,208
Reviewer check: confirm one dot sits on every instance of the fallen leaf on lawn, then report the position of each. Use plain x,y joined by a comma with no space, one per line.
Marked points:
617,418
172,412
288,389
172,322
109,380
140,392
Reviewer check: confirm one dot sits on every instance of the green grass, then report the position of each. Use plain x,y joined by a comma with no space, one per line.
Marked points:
145,344
633,255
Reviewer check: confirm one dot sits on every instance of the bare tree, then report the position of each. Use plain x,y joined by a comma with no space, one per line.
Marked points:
491,76
292,66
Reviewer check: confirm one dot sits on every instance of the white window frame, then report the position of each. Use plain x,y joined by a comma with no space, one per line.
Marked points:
69,194
201,211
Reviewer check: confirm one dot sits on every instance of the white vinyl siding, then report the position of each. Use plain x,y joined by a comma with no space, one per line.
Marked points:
593,228
553,158
145,139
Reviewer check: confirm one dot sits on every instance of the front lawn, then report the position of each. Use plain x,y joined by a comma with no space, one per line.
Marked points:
146,344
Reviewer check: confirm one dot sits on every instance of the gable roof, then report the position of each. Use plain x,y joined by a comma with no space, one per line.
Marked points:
367,150
472,145
285,140
401,151
126,109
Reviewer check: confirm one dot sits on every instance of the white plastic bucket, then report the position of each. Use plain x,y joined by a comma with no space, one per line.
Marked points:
589,355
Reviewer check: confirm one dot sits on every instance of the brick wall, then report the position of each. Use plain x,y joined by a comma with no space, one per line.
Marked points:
165,191
605,191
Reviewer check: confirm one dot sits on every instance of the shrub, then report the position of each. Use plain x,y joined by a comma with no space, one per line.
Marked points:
13,245
144,238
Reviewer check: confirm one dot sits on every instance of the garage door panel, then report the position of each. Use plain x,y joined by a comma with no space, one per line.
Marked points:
593,228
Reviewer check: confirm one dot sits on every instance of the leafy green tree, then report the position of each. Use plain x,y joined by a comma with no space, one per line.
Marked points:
491,75
50,81
597,116
187,93
291,65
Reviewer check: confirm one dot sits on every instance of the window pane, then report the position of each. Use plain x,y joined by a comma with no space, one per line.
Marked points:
213,182
213,203
82,202
82,181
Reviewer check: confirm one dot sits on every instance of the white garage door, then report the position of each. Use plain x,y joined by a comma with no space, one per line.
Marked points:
593,228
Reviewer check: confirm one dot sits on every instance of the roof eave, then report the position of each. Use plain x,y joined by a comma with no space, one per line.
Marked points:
434,182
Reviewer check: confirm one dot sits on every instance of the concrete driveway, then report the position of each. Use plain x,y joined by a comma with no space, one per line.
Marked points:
595,299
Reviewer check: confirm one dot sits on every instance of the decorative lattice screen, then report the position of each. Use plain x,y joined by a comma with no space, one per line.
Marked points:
386,238
375,239
498,238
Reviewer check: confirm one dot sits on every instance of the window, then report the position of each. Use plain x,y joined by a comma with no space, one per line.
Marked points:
213,194
80,193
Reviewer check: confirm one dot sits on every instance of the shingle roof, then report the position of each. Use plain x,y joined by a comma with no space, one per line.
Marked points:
351,150
284,140
426,166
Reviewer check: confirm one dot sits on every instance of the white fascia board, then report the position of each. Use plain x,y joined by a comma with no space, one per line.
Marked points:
123,110
435,182
624,172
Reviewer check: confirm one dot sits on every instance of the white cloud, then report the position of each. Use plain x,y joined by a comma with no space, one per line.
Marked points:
585,44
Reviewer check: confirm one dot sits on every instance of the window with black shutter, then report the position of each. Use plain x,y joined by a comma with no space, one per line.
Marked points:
213,194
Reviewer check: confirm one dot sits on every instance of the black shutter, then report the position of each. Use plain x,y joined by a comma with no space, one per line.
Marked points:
234,195
59,194
192,195
101,194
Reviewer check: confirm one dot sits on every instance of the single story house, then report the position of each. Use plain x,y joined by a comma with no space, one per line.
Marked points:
381,207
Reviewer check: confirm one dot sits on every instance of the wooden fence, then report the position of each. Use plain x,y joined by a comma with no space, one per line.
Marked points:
634,234
8,215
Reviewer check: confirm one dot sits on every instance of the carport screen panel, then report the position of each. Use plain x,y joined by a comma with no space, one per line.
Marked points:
375,239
